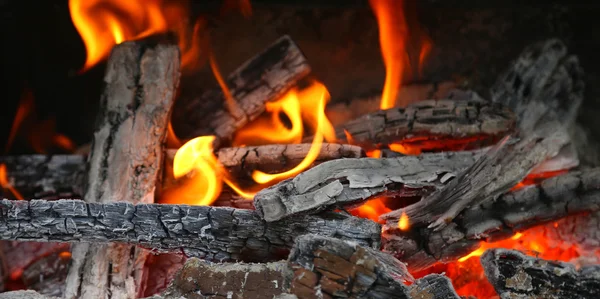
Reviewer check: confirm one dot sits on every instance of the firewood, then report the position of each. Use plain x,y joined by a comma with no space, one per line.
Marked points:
161,269
516,275
125,160
25,294
265,77
554,198
48,274
495,173
351,181
229,280
211,233
45,177
543,84
240,162
334,268
427,121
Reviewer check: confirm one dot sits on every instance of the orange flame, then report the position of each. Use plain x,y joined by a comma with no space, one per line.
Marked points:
6,184
403,223
371,209
231,103
205,185
393,32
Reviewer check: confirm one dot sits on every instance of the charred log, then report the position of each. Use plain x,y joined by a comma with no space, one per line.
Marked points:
458,125
495,173
351,181
211,233
45,177
160,270
554,198
263,78
125,160
516,275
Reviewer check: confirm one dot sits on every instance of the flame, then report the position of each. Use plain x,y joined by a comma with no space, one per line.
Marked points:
371,209
204,185
403,223
425,50
534,178
243,6
229,100
26,105
314,100
393,32
6,184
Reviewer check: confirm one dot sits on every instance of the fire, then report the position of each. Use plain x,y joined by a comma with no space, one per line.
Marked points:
204,185
403,223
534,178
393,32
5,184
230,101
371,209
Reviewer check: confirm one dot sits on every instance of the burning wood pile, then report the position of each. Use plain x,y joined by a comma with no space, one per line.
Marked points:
387,205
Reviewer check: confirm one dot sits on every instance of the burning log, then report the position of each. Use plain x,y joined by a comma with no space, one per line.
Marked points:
333,268
350,181
125,161
516,275
495,173
554,198
211,233
263,78
461,124
46,177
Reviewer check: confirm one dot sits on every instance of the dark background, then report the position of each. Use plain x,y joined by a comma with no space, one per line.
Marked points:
472,42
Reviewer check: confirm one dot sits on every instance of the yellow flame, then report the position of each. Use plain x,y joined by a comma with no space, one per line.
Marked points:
477,252
403,223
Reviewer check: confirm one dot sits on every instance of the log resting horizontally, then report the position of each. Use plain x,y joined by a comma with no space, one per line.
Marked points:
554,198
347,182
125,162
516,275
431,126
265,77
211,233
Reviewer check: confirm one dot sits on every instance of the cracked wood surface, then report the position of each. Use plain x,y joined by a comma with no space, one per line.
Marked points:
125,162
350,181
211,233
516,275
496,172
420,124
265,77
554,198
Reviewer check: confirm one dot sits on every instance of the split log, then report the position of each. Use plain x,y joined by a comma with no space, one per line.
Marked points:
495,173
333,268
240,162
431,126
225,280
45,177
351,181
211,233
266,77
554,198
17,257
125,161
516,275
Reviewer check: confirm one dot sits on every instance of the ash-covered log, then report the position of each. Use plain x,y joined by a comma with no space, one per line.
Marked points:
265,77
431,126
350,181
125,163
211,233
554,198
516,275
44,176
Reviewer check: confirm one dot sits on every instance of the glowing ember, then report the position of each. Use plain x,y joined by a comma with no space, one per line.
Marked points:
534,178
403,223
392,37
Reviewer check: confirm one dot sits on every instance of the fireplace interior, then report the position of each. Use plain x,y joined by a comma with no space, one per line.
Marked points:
300,149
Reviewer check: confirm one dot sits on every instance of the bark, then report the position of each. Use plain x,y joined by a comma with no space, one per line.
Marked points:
431,126
45,177
516,275
265,77
554,198
125,161
351,181
495,173
211,233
